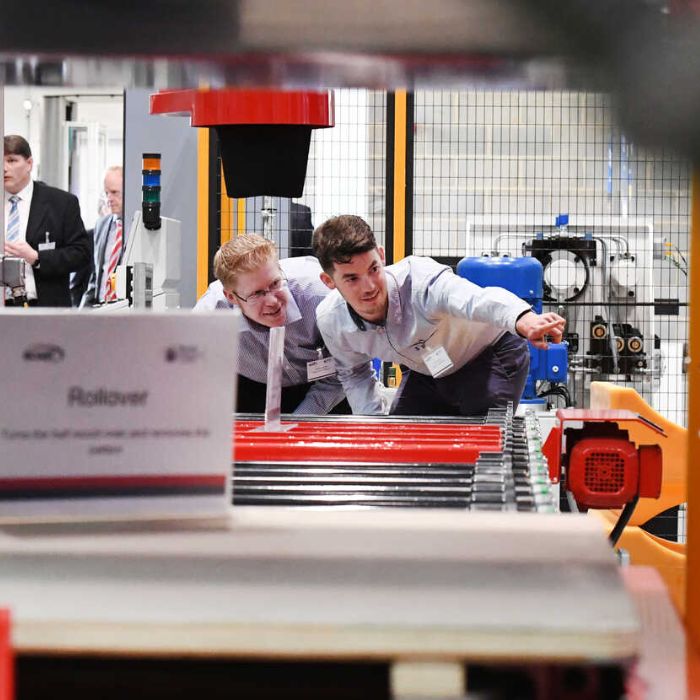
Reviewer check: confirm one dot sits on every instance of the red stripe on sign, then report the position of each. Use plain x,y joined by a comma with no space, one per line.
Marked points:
115,482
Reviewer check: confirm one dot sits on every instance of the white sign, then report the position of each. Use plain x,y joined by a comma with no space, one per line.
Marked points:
118,415
273,393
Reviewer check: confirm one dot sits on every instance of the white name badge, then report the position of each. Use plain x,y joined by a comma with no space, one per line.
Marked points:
47,244
437,361
320,369
138,427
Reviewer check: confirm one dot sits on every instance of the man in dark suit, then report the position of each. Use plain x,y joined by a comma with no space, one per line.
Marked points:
79,280
43,228
109,242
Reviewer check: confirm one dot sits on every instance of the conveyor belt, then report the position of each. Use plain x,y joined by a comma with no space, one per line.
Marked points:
476,464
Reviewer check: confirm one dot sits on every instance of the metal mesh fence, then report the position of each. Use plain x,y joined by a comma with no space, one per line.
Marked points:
493,169
345,175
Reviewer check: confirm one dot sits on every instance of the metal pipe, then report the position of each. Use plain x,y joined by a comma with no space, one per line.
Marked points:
583,370
606,296
622,239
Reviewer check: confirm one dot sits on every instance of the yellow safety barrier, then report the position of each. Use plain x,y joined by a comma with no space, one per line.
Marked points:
668,558
674,447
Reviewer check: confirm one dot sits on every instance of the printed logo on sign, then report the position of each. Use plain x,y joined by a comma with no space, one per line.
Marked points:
182,353
43,352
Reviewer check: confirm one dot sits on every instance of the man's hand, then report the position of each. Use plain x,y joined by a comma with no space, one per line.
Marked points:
537,327
22,249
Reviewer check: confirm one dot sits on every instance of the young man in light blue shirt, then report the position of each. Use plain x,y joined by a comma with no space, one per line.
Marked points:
463,347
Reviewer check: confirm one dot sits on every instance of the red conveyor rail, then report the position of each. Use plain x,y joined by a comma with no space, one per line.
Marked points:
392,442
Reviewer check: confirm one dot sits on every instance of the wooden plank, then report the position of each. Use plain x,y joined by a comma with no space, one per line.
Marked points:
358,585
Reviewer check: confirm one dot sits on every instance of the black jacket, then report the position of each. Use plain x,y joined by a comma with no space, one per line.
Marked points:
54,217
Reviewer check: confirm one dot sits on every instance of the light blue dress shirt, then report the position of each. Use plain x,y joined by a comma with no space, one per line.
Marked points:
302,339
429,307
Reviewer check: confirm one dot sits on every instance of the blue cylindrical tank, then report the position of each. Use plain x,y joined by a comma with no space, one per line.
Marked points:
522,276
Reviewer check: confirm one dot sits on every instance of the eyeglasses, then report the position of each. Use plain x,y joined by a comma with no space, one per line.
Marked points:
258,297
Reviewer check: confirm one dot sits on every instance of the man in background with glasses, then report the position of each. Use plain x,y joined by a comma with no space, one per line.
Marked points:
272,292
109,240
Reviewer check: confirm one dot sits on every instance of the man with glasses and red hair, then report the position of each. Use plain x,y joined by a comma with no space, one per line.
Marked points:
272,292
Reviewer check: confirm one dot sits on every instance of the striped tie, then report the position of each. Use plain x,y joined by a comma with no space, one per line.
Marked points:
111,290
13,220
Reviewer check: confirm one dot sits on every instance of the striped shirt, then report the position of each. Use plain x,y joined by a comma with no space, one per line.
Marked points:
23,205
302,339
